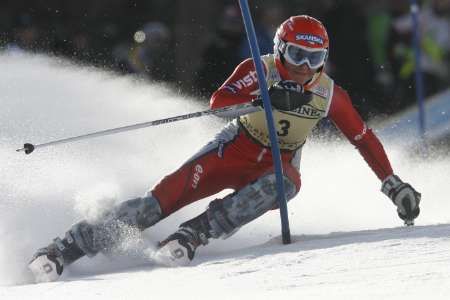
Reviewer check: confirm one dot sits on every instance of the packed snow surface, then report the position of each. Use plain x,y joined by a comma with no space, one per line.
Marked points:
348,242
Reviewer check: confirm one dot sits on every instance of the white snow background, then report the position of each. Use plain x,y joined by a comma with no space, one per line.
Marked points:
348,242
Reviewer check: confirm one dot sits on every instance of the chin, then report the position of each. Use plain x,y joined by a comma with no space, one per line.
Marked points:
300,80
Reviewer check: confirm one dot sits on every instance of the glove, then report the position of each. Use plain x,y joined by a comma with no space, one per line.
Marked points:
404,196
286,95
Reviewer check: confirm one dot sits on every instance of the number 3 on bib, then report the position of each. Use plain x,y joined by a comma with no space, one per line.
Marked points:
285,124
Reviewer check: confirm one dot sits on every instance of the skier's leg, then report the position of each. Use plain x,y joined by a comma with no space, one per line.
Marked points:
104,234
211,170
225,216
196,179
89,238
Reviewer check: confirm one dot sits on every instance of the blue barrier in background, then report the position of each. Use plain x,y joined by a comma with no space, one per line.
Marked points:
402,128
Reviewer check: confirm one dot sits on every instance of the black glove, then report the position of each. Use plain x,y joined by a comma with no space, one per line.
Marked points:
286,95
404,196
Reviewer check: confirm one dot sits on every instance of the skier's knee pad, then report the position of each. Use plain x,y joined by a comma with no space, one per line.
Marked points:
114,226
227,215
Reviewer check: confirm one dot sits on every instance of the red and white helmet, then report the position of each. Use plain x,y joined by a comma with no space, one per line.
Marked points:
302,40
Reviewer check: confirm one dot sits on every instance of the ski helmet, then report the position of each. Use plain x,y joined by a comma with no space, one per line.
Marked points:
302,40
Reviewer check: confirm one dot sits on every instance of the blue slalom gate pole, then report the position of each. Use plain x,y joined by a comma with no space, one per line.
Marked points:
276,157
418,69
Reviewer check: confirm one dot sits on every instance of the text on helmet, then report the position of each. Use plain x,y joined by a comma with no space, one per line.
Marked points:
309,38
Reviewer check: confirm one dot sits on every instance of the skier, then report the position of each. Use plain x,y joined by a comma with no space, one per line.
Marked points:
239,158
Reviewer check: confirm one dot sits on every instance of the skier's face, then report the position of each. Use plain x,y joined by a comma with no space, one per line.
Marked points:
301,74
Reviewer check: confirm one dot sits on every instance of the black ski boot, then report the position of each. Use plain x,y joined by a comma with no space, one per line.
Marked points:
48,263
179,248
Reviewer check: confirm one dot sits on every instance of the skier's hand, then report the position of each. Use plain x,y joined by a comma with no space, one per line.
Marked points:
285,95
288,95
258,102
404,196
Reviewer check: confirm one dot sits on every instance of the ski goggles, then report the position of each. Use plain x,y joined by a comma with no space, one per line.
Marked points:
298,55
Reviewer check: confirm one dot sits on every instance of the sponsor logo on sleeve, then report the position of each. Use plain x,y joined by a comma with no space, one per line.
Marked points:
230,88
243,82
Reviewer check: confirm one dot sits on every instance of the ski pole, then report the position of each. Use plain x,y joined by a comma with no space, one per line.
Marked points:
238,109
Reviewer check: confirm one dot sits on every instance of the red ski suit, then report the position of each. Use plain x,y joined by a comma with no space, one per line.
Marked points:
237,159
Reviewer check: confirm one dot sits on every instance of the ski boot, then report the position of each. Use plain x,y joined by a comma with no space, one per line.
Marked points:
48,263
179,248
90,238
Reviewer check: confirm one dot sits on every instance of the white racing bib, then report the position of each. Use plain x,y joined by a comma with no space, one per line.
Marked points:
292,127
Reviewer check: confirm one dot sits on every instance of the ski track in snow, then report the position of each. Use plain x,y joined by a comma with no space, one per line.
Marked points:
348,242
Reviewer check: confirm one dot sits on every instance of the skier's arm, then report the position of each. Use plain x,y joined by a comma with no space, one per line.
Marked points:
239,88
242,87
347,119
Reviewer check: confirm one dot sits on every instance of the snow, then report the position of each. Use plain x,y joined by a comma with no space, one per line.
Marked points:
348,242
